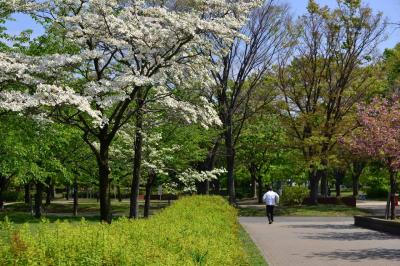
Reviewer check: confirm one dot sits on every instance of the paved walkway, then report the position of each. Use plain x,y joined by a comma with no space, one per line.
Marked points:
374,207
321,241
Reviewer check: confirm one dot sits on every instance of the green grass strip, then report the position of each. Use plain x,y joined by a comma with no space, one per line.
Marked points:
253,253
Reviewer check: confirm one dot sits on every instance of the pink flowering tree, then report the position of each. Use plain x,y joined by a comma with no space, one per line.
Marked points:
379,137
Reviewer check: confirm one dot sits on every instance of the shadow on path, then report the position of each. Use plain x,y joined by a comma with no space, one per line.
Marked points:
323,226
353,236
364,254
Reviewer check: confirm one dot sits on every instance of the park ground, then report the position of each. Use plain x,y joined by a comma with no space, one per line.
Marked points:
330,239
309,235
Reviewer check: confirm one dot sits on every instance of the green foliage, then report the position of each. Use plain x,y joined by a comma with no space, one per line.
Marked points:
391,65
378,191
12,196
376,180
294,195
194,231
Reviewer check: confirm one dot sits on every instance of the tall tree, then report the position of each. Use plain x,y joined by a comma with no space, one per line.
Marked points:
118,50
244,65
326,70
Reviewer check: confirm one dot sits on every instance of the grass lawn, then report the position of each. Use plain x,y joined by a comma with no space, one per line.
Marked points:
317,210
253,253
62,210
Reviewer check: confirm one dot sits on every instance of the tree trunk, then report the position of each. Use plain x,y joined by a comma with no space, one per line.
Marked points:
230,160
149,184
208,165
104,192
260,189
27,196
67,192
203,187
216,187
3,185
137,160
314,177
253,187
355,180
337,187
119,195
53,191
1,200
75,209
339,176
358,167
324,183
48,191
254,176
393,190
38,199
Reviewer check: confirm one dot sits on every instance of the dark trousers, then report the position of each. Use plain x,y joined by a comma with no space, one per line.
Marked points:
270,213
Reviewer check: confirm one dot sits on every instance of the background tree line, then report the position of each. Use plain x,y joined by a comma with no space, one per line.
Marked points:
275,100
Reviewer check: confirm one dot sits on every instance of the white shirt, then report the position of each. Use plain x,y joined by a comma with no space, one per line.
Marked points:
271,198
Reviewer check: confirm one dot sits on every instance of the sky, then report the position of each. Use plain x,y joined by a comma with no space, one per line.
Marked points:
389,8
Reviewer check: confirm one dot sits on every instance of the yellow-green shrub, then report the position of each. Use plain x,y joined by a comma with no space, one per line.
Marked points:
199,230
292,196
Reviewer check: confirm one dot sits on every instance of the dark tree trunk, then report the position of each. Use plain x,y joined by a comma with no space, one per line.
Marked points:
1,200
216,187
253,187
137,160
203,187
323,172
149,185
358,167
208,165
52,191
324,183
314,180
393,190
48,191
75,208
230,159
119,195
254,176
337,188
104,184
38,199
3,187
355,181
27,196
339,176
67,192
260,189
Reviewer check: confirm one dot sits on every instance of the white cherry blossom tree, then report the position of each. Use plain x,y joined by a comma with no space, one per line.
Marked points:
119,51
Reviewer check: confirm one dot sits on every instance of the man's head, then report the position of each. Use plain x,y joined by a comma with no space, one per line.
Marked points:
270,188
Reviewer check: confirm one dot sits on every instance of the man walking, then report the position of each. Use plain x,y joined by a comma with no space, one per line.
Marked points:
270,198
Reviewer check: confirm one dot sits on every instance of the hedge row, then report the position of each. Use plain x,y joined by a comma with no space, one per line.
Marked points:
198,230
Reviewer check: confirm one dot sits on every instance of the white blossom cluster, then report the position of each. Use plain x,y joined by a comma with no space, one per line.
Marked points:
122,45
190,177
202,112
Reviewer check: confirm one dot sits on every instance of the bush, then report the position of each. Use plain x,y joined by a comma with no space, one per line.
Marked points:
198,230
377,192
294,195
12,196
